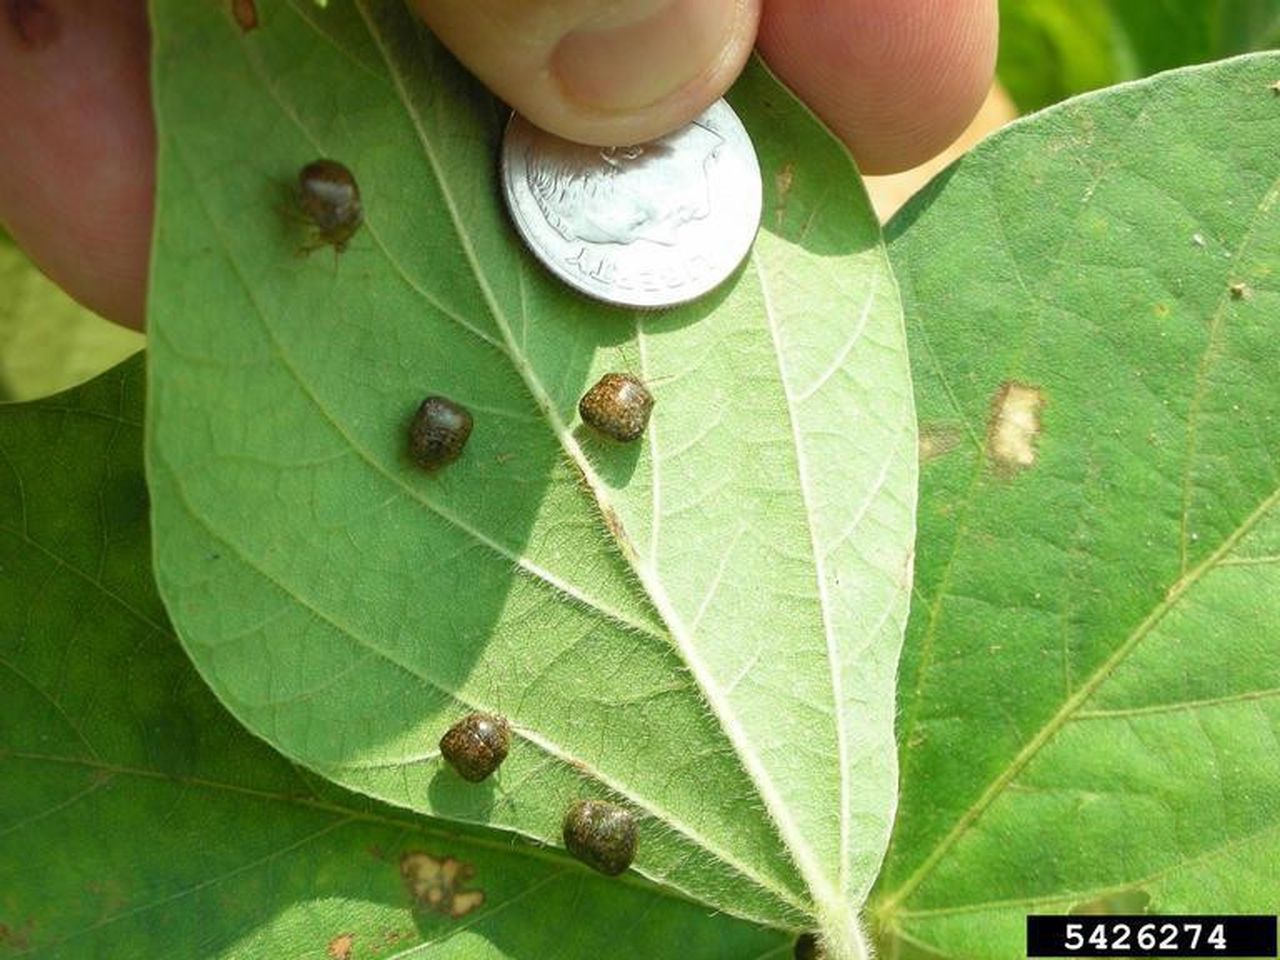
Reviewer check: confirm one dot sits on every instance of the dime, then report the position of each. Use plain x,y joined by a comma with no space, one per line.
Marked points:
650,225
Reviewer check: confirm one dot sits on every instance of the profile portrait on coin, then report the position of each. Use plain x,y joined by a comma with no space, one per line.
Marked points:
624,194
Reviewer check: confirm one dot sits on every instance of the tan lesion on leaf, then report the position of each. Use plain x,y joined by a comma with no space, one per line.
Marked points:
939,439
1015,425
340,946
782,181
622,540
16,938
245,13
437,884
1240,291
609,517
613,523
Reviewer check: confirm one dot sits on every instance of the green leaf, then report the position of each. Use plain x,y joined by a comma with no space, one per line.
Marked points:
1054,49
1171,33
1089,697
157,827
49,342
703,625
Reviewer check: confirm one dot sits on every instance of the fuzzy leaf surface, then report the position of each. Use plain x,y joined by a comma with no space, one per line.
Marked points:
703,626
139,819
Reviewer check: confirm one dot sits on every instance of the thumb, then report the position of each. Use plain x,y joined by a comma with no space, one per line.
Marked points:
608,72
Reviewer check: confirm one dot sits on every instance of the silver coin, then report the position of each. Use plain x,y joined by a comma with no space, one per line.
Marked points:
650,225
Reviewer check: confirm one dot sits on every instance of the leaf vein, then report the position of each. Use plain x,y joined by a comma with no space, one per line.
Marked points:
1072,705
820,576
1202,375
1180,706
793,841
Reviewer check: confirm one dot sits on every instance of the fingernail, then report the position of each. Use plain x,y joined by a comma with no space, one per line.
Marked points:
635,65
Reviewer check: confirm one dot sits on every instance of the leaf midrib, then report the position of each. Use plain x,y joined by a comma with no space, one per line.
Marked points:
789,832
548,747
554,751
819,558
517,559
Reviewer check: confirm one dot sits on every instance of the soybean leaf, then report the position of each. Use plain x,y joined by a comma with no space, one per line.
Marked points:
703,626
1053,49
1162,34
1089,709
48,342
159,827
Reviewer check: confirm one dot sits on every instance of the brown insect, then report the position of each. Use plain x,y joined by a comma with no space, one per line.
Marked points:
330,199
601,834
476,745
618,406
438,432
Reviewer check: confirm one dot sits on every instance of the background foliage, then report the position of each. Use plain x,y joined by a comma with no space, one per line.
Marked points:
1053,49
48,341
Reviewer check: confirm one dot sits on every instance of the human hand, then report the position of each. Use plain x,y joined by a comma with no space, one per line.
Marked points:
896,79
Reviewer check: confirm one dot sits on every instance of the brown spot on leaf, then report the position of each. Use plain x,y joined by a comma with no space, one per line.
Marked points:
1275,88
1240,291
782,181
340,946
908,571
614,523
1015,425
939,439
246,14
436,884
33,22
17,939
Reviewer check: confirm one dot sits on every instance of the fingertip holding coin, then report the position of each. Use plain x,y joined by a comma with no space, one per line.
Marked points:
650,225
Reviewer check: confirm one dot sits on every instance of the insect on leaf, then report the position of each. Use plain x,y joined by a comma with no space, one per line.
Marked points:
702,626
163,828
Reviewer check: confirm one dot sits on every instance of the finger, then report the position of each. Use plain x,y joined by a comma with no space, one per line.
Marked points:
601,71
77,145
897,80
